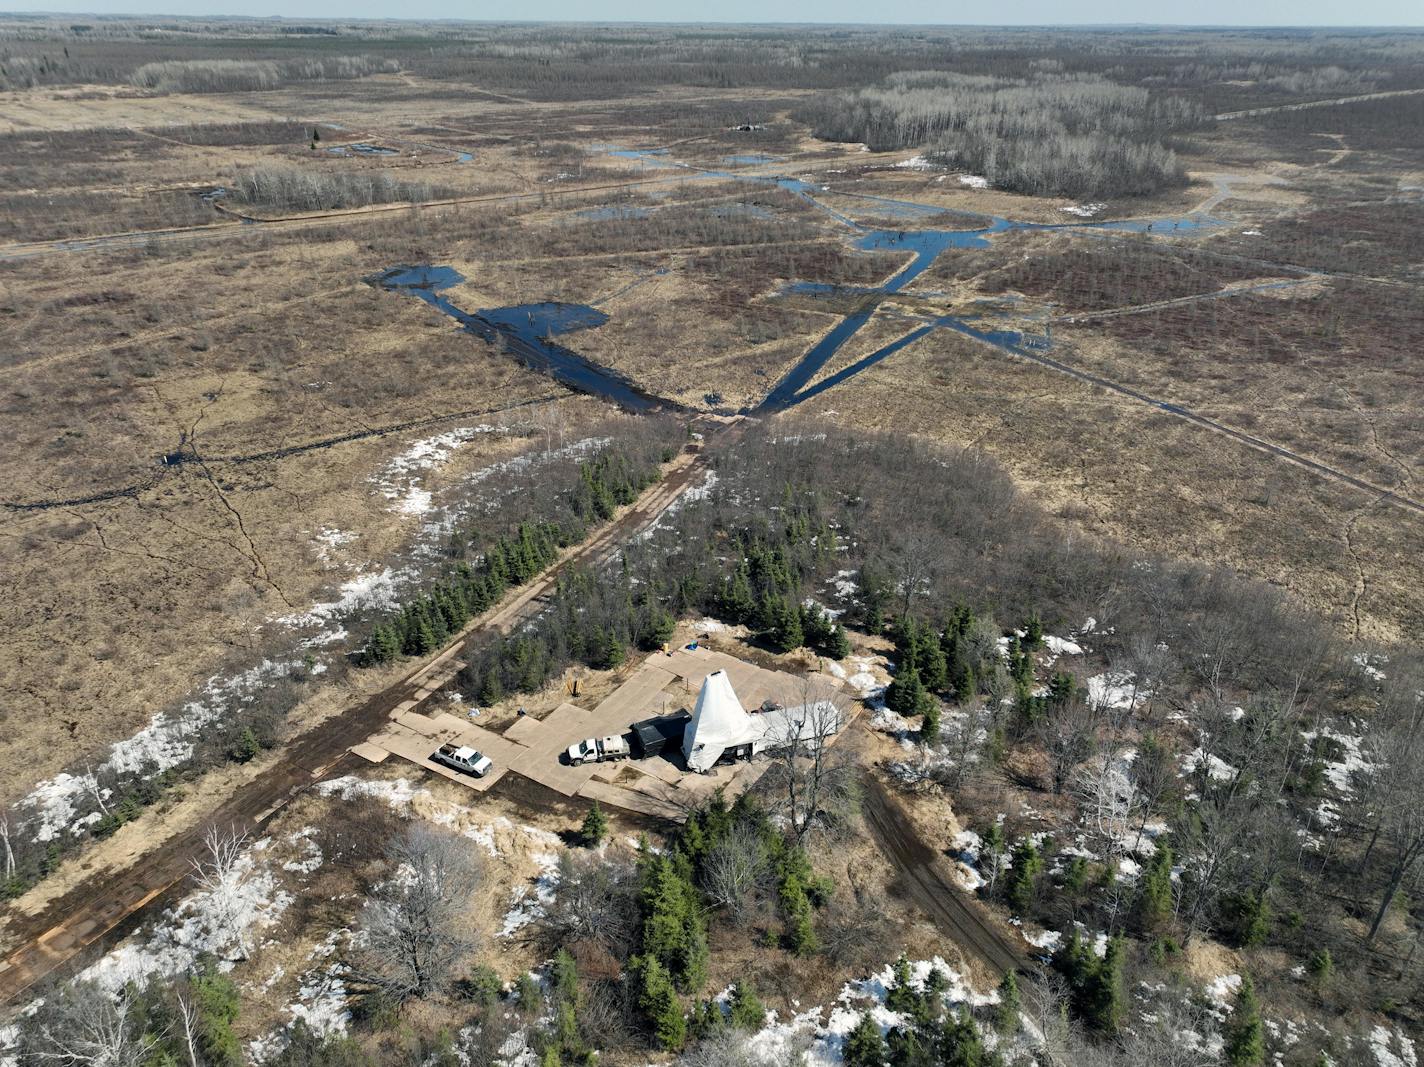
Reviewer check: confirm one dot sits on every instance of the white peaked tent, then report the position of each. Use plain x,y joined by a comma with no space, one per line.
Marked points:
719,722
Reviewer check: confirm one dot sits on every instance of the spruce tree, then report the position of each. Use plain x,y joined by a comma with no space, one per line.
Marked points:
959,1044
1033,632
1023,876
864,1046
901,996
595,826
425,640
906,695
657,999
966,686
837,644
1105,999
1154,900
1245,1033
1320,967
929,724
491,685
746,1010
1006,1012
245,748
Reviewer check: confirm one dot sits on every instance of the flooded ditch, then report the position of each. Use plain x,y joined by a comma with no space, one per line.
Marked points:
526,332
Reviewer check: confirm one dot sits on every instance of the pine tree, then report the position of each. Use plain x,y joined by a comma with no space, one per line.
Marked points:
746,1012
657,999
837,644
1245,1044
864,1046
1006,1012
595,826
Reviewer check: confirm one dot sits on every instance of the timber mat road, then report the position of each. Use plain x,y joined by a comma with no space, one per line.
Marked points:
77,926
923,880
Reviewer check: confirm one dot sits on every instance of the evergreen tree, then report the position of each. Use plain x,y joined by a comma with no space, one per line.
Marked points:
660,627
782,624
1247,918
706,1018
1245,1044
425,640
217,1001
1105,999
906,695
657,999
929,725
837,644
960,1045
901,996
1033,632
595,826
245,748
746,1011
1154,899
864,1046
1006,1012
966,686
612,652
738,605
1320,967
491,686
906,1048
1023,875
796,910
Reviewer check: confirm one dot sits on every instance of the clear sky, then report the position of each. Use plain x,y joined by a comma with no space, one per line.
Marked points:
935,12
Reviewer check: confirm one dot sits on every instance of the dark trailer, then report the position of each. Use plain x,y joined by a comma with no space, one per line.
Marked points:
652,737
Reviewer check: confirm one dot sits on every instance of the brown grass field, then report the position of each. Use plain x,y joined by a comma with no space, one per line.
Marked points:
239,340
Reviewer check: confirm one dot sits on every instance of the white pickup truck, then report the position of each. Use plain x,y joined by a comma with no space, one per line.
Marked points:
464,759
598,750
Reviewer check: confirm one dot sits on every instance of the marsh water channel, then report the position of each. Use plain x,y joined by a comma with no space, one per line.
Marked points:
528,330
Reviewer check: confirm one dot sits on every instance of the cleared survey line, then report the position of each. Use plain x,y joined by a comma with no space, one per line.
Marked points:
1306,105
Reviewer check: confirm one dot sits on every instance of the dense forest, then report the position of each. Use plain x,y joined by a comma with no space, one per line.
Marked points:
1051,134
1270,760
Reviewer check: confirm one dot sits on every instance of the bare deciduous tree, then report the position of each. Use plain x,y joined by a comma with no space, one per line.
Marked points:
415,924
737,870
800,745
222,873
83,1025
596,904
1066,734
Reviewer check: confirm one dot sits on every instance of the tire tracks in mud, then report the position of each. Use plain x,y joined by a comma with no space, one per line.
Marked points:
922,879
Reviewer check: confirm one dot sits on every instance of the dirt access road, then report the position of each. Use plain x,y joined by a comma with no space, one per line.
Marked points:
924,881
79,923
